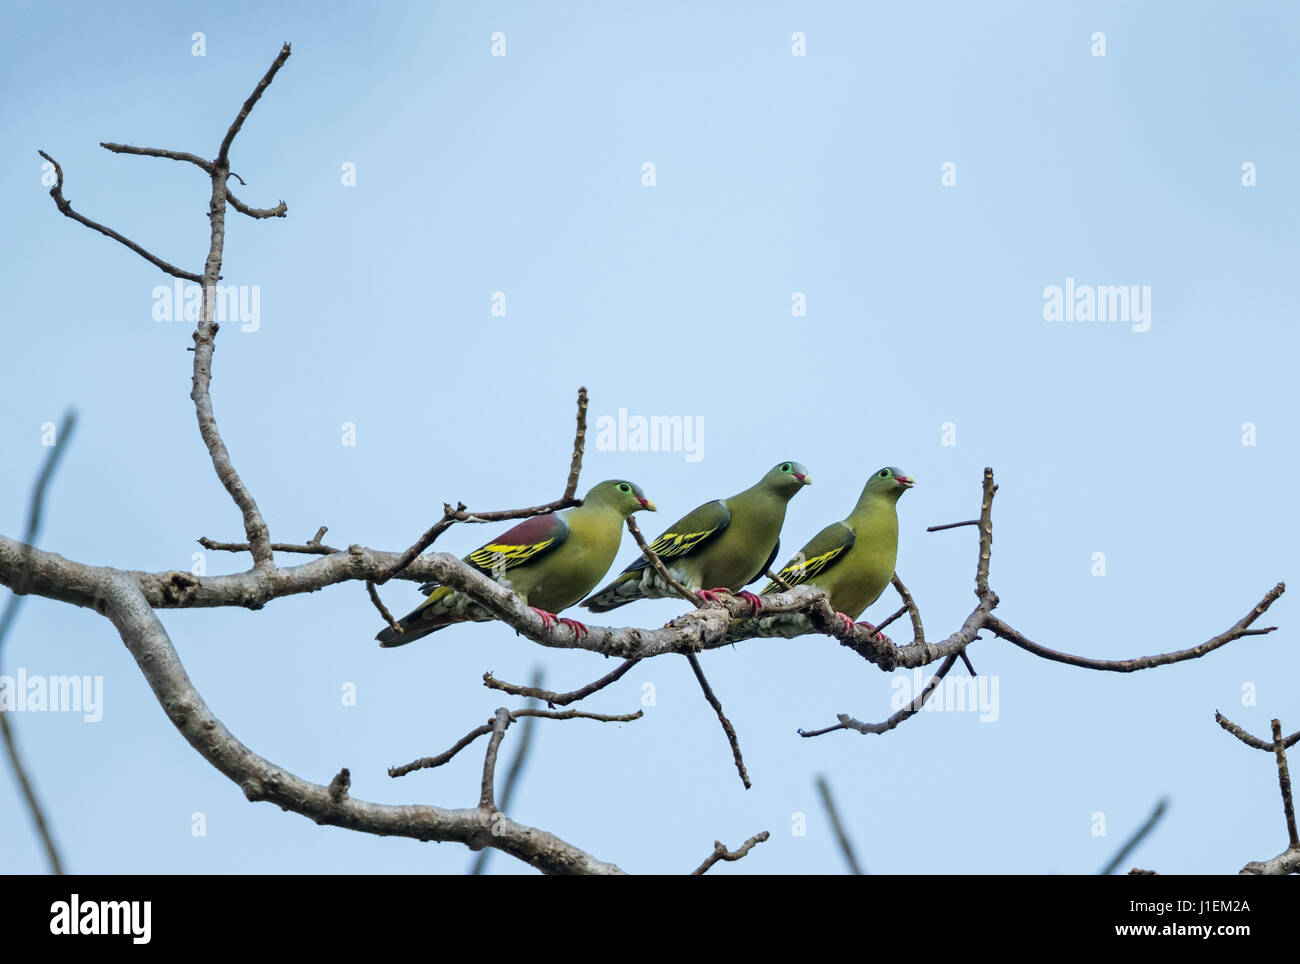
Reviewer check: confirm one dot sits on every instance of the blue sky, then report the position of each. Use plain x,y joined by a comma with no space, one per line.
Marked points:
774,174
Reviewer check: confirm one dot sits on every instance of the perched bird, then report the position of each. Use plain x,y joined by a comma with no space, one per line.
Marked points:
852,561
550,561
723,545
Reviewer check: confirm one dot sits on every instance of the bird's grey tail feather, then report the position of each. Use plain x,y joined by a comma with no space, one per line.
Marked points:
414,627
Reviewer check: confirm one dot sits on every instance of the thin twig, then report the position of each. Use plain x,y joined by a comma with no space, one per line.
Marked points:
727,728
204,165
658,565
1287,862
1137,837
65,207
685,593
559,699
918,631
383,610
312,546
1284,783
500,721
35,514
338,788
776,578
1236,631
525,742
846,846
952,525
847,722
722,853
451,516
428,762
579,444
279,211
223,155
909,605
1253,741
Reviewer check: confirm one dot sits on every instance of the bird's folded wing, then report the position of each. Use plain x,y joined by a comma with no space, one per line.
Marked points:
825,549
689,533
529,540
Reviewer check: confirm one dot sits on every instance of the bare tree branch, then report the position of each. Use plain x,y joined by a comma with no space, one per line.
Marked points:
486,799
681,590
952,525
393,624
65,207
312,546
428,762
722,853
1254,741
1284,784
658,566
559,699
205,333
776,578
1288,861
847,722
579,444
512,775
1136,838
1236,631
833,813
451,516
279,211
223,155
120,599
35,514
727,728
201,163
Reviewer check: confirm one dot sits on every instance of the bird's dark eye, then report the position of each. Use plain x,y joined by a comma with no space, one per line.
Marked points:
884,473
624,487
786,467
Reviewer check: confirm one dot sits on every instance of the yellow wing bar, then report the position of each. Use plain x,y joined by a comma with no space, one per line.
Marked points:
497,556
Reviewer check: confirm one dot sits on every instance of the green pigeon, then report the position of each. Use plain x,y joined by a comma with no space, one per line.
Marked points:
550,561
852,561
723,545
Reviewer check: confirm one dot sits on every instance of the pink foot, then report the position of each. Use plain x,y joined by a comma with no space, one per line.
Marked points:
709,595
579,630
548,619
751,598
872,629
849,624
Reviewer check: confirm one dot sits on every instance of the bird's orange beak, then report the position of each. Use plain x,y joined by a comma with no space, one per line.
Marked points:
905,481
647,504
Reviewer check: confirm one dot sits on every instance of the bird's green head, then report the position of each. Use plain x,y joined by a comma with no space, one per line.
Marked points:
620,495
787,478
889,481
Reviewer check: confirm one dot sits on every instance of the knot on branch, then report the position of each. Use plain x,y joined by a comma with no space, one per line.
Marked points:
178,587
